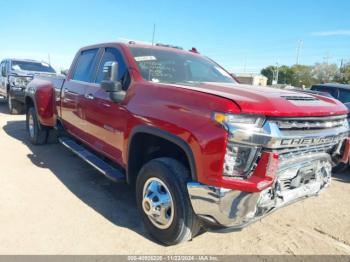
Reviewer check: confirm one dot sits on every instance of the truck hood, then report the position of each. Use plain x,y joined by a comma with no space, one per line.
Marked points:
29,73
272,101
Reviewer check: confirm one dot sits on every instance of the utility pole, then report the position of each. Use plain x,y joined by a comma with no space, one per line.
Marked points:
341,64
245,64
275,75
49,59
154,32
327,57
300,46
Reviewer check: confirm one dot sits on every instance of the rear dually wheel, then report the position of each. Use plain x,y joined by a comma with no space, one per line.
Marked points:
37,133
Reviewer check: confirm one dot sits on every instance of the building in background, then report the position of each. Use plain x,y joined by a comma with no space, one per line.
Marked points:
252,79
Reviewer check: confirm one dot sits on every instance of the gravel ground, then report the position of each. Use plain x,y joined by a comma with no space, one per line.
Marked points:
51,202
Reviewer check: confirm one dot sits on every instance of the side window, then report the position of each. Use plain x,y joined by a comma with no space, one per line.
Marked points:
113,55
2,68
84,68
7,67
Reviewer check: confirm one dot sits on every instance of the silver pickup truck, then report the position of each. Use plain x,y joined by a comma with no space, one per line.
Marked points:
14,77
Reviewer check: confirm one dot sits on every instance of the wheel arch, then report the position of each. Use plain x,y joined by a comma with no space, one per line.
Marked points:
134,163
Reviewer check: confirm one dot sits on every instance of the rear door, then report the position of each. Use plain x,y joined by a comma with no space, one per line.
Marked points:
73,91
106,120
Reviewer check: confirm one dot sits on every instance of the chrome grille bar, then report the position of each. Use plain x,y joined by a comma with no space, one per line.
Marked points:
311,123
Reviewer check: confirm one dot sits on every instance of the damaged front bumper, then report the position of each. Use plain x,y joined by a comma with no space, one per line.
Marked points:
234,209
295,161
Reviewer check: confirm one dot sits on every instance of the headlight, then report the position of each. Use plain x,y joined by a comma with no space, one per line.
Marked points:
239,159
17,81
241,121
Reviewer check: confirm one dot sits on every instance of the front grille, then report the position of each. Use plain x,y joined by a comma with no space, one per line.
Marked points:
290,153
311,123
319,137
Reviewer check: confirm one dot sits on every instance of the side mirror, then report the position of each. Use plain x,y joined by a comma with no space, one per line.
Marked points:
111,84
64,72
110,71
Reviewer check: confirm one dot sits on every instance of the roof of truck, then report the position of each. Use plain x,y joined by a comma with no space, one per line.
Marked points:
144,45
23,60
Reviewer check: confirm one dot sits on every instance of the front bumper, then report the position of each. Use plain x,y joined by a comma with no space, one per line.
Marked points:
294,162
236,209
18,94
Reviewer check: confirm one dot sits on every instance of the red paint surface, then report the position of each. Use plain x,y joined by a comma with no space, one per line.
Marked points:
346,154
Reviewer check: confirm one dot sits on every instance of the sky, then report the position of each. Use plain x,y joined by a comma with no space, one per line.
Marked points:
242,36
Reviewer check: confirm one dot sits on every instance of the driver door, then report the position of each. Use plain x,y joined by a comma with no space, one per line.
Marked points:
106,120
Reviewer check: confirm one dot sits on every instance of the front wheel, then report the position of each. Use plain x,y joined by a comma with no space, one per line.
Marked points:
36,132
15,107
163,201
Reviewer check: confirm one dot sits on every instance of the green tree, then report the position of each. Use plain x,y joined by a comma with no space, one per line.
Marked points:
344,75
285,75
302,76
324,72
268,72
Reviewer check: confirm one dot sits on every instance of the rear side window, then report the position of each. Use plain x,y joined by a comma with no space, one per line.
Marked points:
84,69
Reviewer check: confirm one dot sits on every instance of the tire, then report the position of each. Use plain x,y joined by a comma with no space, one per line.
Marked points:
52,136
340,168
167,175
36,132
15,107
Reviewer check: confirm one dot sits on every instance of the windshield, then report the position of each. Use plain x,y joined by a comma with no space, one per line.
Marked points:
32,66
344,96
175,67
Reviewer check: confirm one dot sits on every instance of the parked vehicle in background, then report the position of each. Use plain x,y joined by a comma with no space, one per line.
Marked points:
201,150
342,93
15,75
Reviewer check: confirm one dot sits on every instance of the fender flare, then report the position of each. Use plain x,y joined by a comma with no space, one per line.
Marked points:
167,136
31,97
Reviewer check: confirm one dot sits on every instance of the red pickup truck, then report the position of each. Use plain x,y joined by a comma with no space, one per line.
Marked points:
202,150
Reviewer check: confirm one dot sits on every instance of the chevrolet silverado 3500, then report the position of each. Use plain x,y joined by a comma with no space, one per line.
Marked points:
202,150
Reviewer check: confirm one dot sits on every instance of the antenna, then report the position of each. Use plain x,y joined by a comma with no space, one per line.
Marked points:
154,32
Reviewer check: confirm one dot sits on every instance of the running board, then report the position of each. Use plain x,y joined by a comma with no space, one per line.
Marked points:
92,159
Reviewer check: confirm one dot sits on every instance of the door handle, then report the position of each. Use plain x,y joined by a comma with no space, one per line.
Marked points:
89,96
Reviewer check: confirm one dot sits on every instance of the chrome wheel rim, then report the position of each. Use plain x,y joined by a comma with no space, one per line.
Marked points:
157,203
31,125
